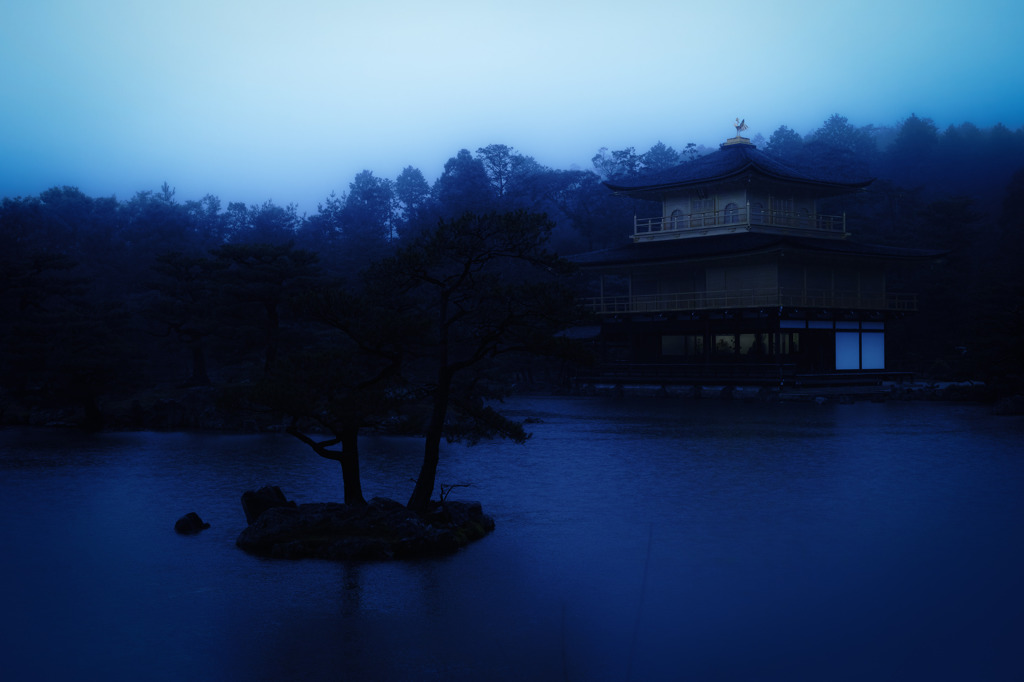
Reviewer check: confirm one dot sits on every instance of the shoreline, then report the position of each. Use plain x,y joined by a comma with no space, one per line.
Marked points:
196,408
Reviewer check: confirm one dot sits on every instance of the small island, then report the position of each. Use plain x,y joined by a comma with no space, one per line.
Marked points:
380,530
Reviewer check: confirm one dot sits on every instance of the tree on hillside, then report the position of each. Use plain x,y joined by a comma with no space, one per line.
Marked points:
659,157
207,221
618,165
839,146
498,161
910,158
265,223
838,132
412,195
355,228
785,143
511,175
321,232
369,214
463,186
600,219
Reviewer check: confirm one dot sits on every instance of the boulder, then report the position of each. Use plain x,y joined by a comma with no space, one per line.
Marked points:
190,524
267,497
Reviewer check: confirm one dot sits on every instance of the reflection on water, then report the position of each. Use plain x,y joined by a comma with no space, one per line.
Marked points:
636,539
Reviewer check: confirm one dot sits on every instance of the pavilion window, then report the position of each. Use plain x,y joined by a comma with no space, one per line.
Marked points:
703,211
753,345
782,211
757,212
732,214
789,343
725,344
682,345
804,218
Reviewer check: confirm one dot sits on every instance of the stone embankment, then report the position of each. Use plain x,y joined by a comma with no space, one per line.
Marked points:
965,391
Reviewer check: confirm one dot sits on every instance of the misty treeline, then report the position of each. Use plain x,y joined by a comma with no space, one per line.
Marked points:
106,301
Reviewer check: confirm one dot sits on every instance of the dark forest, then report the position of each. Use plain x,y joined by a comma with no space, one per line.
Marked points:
111,306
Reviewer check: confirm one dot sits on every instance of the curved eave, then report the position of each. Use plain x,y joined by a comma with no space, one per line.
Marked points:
660,189
729,246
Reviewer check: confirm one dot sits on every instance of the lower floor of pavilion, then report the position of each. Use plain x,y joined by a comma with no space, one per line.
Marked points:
756,346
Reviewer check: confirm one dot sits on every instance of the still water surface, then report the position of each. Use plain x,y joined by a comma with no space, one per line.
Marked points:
636,540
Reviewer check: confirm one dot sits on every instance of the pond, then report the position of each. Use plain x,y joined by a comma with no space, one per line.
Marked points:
636,539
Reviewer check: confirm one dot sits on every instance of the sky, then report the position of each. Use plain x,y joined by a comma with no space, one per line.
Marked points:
287,101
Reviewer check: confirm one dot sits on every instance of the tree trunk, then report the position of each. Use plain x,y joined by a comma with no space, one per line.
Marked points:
432,443
349,459
428,472
431,448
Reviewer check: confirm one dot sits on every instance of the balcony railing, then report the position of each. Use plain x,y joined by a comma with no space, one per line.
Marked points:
750,298
736,218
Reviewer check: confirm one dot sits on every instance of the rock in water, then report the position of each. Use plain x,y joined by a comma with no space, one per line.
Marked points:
267,497
190,524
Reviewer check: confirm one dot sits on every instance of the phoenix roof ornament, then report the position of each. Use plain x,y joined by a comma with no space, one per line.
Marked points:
739,139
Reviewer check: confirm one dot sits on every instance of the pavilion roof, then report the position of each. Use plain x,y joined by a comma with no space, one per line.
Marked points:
734,160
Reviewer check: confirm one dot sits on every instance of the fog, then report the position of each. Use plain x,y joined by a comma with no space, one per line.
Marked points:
289,101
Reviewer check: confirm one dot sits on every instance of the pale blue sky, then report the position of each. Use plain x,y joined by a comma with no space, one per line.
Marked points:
288,100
